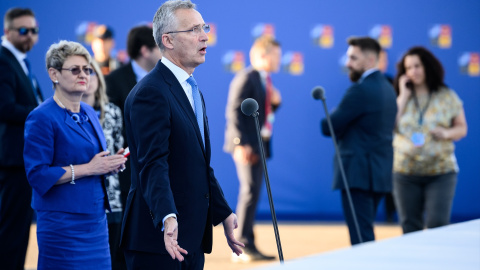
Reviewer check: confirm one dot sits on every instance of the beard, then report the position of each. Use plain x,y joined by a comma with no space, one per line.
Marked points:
24,46
355,75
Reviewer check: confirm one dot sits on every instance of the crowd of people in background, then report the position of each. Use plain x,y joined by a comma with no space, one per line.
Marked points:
64,155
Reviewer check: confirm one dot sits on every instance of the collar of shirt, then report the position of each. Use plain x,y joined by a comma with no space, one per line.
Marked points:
263,77
138,70
366,73
18,54
182,77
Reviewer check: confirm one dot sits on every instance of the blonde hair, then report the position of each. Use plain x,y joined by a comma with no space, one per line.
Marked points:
262,45
101,98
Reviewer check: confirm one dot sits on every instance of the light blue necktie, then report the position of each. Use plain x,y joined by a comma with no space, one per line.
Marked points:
197,103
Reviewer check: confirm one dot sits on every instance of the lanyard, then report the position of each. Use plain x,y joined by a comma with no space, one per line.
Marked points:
421,112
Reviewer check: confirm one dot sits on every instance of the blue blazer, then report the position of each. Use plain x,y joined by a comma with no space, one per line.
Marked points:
363,124
171,170
52,141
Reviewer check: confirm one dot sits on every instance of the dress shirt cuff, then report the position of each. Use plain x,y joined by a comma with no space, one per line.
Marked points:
165,218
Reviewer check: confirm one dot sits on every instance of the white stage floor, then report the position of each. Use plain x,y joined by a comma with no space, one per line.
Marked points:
455,246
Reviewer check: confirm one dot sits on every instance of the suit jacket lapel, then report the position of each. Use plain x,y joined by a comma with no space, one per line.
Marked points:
206,130
182,99
19,70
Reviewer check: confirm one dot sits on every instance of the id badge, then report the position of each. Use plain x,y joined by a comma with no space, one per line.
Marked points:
418,139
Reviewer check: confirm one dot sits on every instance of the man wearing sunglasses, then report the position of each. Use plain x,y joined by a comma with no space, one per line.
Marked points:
19,95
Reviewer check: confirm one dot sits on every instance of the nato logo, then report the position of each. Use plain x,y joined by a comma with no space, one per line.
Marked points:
85,32
262,29
212,35
233,61
322,36
292,63
469,63
440,36
383,34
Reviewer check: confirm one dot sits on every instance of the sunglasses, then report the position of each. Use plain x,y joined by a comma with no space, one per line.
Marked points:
77,70
23,31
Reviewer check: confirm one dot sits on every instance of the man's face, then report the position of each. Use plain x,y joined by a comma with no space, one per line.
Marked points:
356,63
189,49
23,43
273,59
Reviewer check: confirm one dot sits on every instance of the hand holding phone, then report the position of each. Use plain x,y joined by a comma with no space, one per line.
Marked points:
409,85
126,153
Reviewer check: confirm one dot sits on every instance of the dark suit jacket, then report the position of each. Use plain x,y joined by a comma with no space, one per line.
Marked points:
171,170
17,100
246,84
363,124
119,84
52,141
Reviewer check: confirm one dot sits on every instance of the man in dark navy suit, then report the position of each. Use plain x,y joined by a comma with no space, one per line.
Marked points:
19,95
363,124
175,198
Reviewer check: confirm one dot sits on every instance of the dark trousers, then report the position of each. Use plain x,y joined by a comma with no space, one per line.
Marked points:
419,195
365,204
250,178
15,218
137,260
116,253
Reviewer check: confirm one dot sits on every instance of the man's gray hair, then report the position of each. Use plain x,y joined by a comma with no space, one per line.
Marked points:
165,21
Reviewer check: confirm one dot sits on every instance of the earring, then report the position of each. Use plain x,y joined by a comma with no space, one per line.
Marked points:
55,82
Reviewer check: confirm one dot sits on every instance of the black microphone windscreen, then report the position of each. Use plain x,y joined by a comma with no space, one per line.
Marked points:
249,106
318,93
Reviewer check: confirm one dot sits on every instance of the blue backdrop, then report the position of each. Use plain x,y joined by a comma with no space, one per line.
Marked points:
313,35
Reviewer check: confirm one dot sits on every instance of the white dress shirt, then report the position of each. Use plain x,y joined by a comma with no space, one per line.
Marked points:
182,77
18,54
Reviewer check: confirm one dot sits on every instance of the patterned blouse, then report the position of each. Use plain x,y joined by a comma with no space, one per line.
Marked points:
434,156
112,128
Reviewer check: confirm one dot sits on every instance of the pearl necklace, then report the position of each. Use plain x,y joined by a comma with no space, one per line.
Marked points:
58,100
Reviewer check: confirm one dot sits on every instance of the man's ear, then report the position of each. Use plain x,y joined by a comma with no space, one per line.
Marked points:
144,50
167,41
372,59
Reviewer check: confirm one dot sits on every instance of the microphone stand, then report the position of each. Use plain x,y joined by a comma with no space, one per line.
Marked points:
269,191
342,171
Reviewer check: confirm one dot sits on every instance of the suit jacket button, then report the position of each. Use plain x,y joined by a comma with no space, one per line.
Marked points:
207,196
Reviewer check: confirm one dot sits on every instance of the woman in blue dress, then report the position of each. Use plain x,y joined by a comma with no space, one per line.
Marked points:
66,164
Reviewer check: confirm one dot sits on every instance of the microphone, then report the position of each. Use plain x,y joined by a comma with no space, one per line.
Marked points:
319,93
249,107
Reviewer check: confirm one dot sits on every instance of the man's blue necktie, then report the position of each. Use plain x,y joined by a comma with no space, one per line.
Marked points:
197,101
30,77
